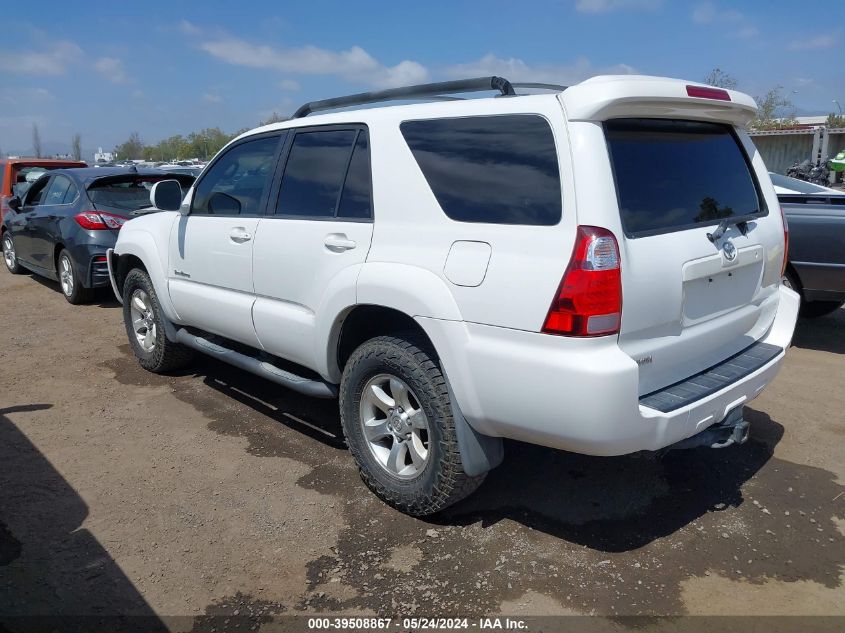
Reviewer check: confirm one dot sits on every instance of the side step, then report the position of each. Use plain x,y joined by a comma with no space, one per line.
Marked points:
307,386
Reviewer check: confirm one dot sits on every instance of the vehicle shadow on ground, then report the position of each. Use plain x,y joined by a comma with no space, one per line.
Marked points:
824,334
616,504
54,574
103,296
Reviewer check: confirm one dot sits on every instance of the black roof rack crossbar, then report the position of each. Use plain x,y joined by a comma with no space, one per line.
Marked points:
540,85
421,91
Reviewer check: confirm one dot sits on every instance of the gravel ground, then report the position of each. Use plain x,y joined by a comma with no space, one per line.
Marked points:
212,492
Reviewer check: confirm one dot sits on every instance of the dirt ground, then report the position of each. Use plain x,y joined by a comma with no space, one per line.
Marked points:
213,492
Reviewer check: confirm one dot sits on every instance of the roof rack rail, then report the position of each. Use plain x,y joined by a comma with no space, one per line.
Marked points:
437,90
540,85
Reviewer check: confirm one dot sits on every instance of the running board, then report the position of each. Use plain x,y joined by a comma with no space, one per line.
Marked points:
307,386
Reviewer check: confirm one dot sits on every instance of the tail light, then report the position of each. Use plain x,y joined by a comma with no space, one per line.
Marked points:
785,242
704,92
99,221
589,299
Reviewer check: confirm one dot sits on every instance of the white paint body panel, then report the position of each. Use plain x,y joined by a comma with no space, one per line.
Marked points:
484,303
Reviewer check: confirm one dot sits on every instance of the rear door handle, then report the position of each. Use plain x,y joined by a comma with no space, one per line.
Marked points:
338,242
239,235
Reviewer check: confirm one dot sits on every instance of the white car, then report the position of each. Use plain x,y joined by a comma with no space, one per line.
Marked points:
595,269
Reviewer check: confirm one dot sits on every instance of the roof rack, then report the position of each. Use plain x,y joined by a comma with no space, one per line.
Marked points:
438,90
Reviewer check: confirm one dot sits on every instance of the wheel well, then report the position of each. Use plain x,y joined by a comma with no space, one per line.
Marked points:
791,269
58,248
125,263
368,321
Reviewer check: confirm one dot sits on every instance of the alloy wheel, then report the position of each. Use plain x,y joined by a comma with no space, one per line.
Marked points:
143,320
395,427
66,275
9,251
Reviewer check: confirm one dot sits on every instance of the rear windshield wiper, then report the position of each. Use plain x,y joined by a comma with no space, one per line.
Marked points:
740,221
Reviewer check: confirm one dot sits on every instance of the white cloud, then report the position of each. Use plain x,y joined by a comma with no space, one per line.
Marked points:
517,70
354,64
54,61
708,13
212,98
291,85
814,42
188,28
112,69
606,6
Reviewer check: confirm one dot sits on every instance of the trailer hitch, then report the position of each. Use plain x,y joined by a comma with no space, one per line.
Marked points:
734,429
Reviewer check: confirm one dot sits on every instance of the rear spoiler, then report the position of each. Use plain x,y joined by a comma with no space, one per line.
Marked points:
633,96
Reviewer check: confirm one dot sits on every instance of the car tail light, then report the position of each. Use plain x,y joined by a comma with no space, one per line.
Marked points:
589,299
785,242
708,93
100,259
99,221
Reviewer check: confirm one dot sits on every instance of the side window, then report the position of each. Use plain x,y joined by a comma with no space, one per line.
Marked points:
314,173
494,169
35,194
355,200
61,191
238,180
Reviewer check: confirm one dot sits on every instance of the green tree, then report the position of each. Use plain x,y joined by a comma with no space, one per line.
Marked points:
274,118
774,111
835,120
719,78
130,149
76,147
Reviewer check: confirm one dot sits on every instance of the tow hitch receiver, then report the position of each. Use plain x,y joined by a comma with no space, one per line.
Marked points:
734,429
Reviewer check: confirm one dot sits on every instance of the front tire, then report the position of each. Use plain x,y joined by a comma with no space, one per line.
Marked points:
70,281
144,323
10,255
397,418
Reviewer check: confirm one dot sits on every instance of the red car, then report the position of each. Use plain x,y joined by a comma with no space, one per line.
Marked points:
25,171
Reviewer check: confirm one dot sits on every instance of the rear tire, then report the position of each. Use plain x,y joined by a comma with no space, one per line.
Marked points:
10,255
144,323
70,281
397,418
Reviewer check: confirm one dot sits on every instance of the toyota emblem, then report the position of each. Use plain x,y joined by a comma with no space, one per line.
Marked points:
729,250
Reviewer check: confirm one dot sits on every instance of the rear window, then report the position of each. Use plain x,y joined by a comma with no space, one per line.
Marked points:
675,175
129,195
494,169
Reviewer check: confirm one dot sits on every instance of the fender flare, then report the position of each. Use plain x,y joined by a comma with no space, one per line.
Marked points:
141,244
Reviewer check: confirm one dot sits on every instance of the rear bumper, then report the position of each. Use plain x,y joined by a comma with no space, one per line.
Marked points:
581,394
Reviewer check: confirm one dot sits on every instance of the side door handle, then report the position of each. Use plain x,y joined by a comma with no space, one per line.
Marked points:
338,242
239,235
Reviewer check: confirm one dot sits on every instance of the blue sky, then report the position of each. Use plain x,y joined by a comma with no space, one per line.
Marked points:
106,69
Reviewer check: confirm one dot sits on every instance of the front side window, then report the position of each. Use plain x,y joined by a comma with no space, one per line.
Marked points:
237,182
494,169
673,175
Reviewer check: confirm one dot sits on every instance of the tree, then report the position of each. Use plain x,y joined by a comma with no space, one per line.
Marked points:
76,147
274,118
36,140
835,120
719,78
130,149
774,111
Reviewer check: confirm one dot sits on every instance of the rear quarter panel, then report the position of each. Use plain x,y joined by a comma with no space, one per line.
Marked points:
817,244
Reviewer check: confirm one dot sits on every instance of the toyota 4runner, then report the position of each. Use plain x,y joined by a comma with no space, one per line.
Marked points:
596,269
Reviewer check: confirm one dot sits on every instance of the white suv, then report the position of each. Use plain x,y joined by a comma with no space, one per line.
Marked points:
596,269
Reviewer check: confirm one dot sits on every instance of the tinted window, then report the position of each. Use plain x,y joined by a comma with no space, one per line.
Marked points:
314,173
130,193
355,199
241,175
35,193
678,174
496,169
61,191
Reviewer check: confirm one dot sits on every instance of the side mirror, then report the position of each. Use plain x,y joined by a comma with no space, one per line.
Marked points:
15,203
224,204
166,195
